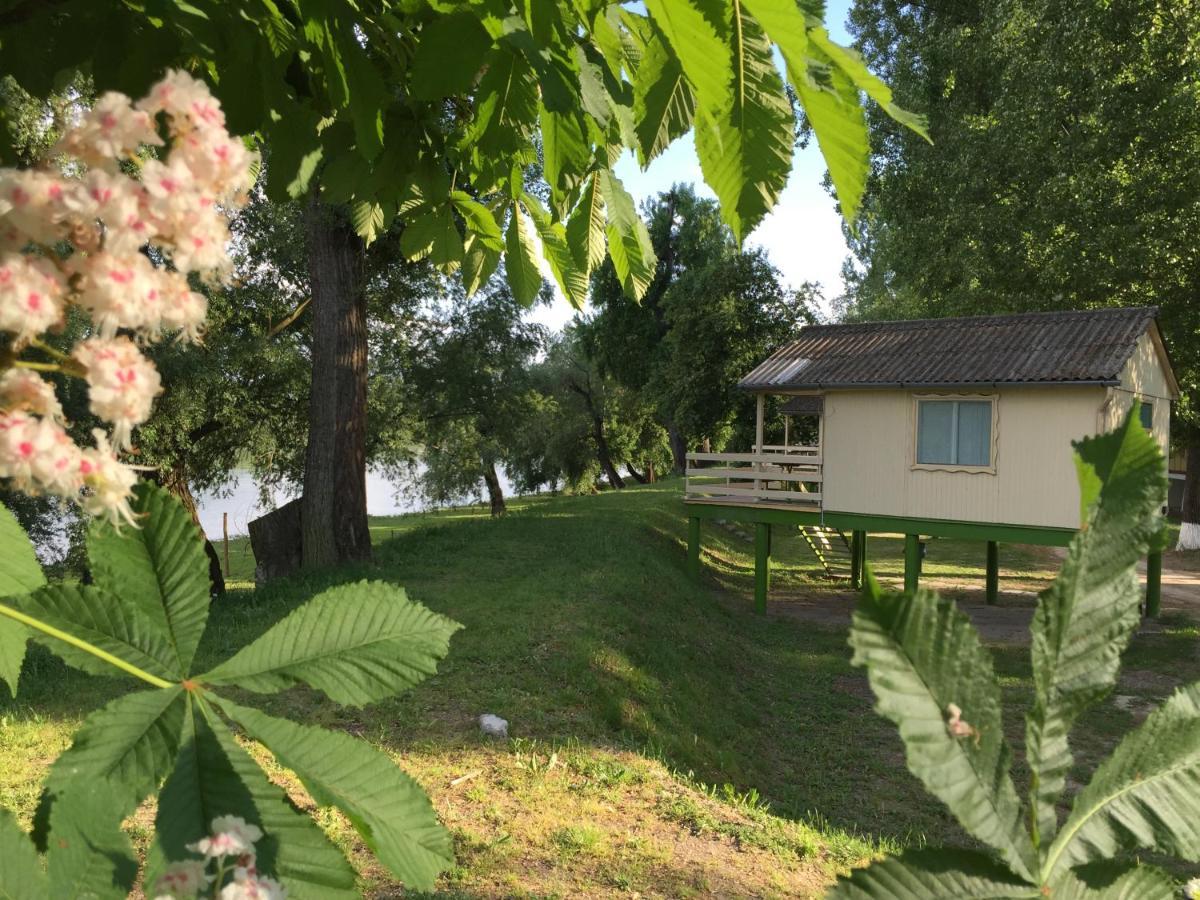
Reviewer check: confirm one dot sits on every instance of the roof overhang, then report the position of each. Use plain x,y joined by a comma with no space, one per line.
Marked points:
922,386
1164,358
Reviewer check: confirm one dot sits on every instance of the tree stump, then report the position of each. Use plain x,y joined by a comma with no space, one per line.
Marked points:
276,541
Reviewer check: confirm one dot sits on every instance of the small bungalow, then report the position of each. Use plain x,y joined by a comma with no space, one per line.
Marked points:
935,427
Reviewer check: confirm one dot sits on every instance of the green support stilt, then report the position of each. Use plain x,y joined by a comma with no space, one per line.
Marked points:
693,557
762,565
912,561
856,540
862,558
993,572
1153,583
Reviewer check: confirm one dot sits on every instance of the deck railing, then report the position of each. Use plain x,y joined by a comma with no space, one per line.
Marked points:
777,475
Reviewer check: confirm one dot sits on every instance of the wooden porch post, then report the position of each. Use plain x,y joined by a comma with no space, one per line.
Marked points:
762,565
759,407
993,572
693,557
912,561
1153,583
759,411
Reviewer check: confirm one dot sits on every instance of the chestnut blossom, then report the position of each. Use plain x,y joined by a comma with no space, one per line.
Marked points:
122,384
232,836
31,295
25,389
955,723
181,880
121,247
247,886
1191,890
32,202
112,129
108,482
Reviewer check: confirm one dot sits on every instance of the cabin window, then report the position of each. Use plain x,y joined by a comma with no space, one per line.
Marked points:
954,433
1147,414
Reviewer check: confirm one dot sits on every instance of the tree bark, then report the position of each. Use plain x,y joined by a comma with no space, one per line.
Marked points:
602,452
175,481
640,479
1189,530
678,449
334,511
495,492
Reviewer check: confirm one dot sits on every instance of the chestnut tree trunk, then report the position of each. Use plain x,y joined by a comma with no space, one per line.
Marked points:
495,491
334,511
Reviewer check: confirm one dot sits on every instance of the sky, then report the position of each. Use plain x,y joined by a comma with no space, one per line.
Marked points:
802,235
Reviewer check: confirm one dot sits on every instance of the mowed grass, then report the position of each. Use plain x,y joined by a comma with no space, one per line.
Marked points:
664,740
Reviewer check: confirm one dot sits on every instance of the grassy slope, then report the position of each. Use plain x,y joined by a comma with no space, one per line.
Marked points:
626,686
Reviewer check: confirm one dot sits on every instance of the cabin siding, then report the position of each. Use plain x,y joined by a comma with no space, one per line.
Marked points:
869,452
1143,378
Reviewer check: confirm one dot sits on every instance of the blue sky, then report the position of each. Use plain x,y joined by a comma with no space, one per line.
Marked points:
802,235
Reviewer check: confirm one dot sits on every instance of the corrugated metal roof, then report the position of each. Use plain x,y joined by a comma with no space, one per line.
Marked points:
1086,346
803,405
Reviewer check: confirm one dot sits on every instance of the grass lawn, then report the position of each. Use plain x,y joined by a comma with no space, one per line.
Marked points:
665,741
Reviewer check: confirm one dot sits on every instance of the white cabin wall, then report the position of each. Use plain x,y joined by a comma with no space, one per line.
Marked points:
1143,378
869,449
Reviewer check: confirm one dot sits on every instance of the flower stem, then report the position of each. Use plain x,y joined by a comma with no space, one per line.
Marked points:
83,645
37,366
50,351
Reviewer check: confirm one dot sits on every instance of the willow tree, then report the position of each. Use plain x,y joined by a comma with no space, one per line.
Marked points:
432,112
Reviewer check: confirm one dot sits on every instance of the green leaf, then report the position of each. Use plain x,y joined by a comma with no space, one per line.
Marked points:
21,876
521,260
783,23
479,219
571,278
358,643
479,262
20,573
1113,881
629,245
104,621
433,235
215,777
566,152
367,218
1145,795
923,654
941,874
159,566
839,122
89,856
696,32
295,151
1085,619
368,96
663,105
450,52
745,143
129,744
387,808
850,62
585,227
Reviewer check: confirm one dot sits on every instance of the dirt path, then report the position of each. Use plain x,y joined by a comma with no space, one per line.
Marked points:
1005,623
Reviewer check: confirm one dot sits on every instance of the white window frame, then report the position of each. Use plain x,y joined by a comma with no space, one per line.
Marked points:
989,469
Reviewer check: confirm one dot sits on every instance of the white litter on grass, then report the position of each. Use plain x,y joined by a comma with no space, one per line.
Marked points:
493,725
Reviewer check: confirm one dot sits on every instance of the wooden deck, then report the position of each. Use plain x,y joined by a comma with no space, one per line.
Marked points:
783,477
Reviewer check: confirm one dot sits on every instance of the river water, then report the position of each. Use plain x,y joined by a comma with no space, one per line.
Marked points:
240,499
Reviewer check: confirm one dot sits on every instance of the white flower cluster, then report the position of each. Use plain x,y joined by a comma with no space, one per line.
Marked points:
229,850
91,239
